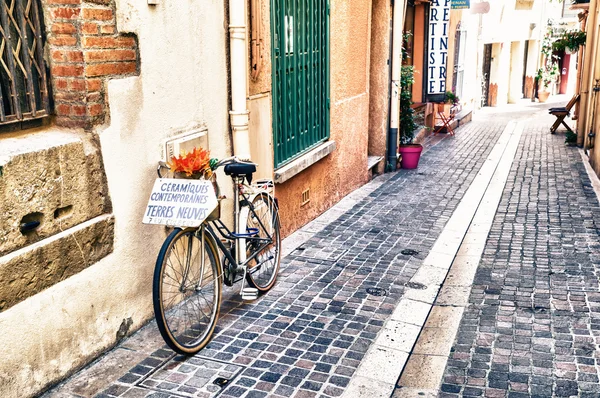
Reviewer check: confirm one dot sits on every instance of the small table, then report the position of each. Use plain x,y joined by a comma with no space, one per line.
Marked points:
446,118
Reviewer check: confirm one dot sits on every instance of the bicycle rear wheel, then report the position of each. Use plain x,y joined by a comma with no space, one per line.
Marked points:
186,291
263,269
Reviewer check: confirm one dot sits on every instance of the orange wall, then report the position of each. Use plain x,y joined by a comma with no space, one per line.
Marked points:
345,169
379,91
418,52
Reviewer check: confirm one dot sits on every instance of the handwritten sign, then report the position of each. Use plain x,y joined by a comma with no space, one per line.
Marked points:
439,26
180,203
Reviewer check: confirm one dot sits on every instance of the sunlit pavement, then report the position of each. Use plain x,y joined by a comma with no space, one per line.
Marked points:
352,315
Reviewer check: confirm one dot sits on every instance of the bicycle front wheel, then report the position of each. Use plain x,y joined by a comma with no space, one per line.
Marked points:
186,290
263,269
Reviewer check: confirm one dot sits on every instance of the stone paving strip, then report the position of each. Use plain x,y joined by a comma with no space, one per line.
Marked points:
309,334
395,344
422,375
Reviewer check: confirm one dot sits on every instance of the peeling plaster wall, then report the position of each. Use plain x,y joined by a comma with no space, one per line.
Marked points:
182,84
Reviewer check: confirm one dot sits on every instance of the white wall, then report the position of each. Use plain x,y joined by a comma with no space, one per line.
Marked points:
517,59
182,85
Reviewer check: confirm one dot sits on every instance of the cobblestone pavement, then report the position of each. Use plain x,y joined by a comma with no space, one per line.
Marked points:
307,336
532,326
528,330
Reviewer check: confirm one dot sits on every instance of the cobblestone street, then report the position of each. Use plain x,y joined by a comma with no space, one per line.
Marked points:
530,326
533,320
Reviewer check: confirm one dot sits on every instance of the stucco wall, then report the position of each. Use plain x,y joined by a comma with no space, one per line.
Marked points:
182,85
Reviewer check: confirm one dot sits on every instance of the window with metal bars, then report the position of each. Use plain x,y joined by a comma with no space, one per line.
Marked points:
23,83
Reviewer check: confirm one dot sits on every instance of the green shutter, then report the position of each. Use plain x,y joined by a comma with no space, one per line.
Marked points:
300,67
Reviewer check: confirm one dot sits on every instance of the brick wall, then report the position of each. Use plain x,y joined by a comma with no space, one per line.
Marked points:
85,50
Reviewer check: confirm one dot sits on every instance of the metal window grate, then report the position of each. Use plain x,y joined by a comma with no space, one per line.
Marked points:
300,43
23,84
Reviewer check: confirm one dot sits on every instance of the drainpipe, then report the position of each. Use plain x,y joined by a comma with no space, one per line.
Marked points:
397,26
239,79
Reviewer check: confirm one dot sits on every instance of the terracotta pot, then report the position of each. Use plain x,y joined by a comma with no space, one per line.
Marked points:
410,155
543,96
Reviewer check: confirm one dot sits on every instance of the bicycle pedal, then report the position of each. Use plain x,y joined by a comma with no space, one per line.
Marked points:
249,293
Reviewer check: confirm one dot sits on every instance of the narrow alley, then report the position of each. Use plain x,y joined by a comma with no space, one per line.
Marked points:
474,275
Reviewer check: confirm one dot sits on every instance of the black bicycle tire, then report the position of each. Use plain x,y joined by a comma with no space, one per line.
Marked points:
159,314
251,281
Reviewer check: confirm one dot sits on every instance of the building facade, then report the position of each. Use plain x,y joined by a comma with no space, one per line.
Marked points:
94,93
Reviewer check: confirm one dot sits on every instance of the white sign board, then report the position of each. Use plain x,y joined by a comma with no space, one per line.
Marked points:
439,26
180,202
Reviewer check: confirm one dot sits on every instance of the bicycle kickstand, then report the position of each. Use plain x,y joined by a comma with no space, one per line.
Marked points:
248,293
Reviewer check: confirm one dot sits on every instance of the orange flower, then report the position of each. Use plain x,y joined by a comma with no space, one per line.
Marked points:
195,162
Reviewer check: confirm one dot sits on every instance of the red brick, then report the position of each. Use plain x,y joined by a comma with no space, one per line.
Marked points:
77,85
58,56
72,122
69,96
66,13
94,84
63,109
107,29
108,42
61,84
74,56
89,28
66,55
79,110
111,68
110,55
62,40
97,14
67,70
63,27
95,109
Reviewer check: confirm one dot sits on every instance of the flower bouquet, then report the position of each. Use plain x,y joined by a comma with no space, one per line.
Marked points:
195,164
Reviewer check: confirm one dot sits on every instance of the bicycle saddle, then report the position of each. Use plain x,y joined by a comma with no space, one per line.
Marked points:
240,169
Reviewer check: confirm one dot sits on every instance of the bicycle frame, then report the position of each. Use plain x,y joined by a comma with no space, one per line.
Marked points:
217,228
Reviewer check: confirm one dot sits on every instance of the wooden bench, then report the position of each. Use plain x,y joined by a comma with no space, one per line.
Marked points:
561,113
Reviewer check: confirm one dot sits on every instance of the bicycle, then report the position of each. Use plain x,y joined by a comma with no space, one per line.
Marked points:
189,272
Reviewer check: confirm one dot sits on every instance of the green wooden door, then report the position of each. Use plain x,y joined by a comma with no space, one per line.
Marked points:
300,67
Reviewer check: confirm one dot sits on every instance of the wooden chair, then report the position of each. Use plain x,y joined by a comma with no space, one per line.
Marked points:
446,120
561,113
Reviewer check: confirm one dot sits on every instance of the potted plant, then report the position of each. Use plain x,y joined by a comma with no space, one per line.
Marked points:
450,100
410,152
570,41
546,76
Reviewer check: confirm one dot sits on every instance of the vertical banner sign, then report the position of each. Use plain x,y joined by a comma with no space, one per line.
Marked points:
461,4
439,27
